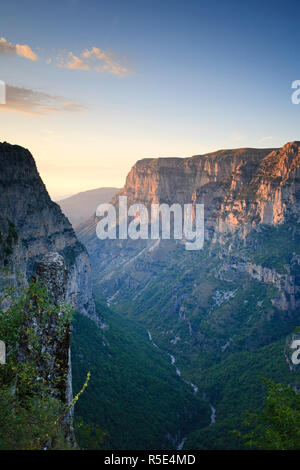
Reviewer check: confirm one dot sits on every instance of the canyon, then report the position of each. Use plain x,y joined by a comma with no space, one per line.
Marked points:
217,319
231,303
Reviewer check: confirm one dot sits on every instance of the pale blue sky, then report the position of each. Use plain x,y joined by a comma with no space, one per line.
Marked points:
184,77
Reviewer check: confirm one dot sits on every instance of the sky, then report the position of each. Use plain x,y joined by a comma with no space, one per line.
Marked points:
93,86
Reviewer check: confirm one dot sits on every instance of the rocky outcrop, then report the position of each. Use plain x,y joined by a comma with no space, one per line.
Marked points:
37,242
51,355
285,284
53,272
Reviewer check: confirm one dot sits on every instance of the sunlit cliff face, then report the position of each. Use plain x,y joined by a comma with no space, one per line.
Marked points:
239,188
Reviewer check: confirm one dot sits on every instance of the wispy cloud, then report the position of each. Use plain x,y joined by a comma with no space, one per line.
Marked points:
30,101
89,59
75,63
95,59
22,50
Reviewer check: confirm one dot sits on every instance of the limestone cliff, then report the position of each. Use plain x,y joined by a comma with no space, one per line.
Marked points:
244,191
240,188
37,242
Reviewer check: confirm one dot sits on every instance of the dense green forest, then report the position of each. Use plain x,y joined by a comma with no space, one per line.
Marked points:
277,426
134,394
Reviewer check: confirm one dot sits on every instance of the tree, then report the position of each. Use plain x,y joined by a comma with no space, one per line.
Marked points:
277,426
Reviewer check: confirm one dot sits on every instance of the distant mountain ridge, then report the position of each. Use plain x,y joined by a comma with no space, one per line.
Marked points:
79,207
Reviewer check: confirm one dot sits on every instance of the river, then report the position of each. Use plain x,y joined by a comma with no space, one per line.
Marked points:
191,384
